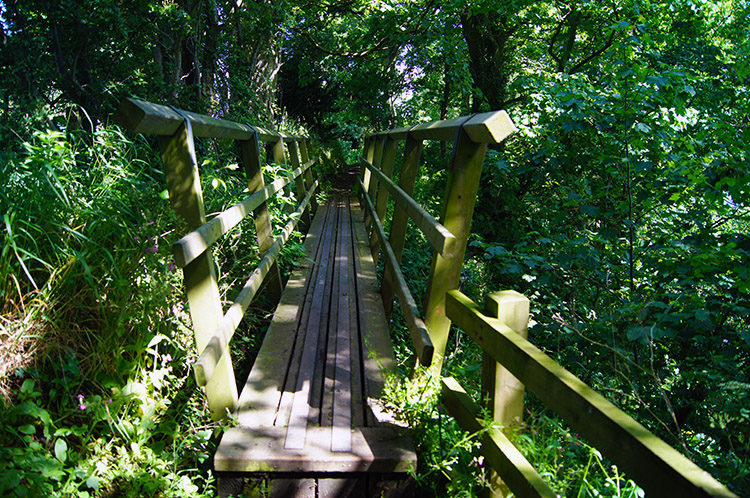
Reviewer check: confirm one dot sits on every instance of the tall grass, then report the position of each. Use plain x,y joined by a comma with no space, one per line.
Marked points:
97,397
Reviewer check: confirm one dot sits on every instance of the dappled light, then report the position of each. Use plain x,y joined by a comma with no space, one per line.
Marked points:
253,248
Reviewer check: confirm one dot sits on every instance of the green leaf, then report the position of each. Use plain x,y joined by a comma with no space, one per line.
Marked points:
61,450
27,387
27,429
590,210
92,482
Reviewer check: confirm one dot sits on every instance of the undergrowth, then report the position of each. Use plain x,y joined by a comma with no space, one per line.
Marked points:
97,397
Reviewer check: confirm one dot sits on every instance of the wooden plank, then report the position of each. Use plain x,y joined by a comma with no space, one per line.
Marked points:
399,223
251,449
439,237
295,438
341,436
418,331
314,248
321,399
139,116
377,356
653,464
261,395
357,399
457,211
186,198
502,455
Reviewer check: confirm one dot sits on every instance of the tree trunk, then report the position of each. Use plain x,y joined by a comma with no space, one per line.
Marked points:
488,42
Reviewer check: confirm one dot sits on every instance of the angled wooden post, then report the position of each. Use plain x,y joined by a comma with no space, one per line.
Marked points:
305,155
502,392
388,158
371,185
368,152
250,152
186,198
458,208
299,184
397,238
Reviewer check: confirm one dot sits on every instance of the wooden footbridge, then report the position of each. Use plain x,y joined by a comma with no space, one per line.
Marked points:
309,418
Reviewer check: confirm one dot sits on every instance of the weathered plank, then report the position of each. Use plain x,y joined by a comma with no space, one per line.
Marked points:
298,418
261,394
653,464
341,436
314,247
257,449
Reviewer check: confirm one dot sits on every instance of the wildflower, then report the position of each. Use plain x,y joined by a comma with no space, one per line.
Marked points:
81,404
171,266
152,249
135,238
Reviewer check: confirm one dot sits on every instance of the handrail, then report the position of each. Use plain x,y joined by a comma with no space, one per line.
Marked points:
439,237
653,464
148,118
193,244
488,127
213,329
449,235
419,335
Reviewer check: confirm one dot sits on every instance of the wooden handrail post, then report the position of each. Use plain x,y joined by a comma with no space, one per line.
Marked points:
186,198
457,211
370,183
502,392
300,183
250,152
388,158
397,238
305,155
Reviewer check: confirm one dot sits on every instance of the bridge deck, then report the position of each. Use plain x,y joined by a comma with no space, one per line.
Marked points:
309,406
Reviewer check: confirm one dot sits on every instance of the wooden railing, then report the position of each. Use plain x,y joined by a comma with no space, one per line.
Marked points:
212,326
510,363
514,362
448,237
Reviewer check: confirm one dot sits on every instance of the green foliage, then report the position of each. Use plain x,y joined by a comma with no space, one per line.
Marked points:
98,397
